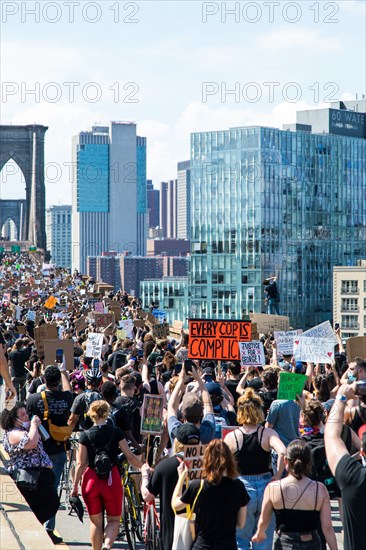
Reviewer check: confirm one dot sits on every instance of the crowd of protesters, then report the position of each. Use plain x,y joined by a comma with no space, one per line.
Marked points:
270,466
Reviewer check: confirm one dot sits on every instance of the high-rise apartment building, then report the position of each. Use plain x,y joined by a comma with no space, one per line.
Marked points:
276,202
184,200
109,192
349,299
58,231
152,205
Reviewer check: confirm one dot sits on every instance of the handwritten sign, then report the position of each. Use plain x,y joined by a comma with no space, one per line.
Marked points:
251,353
193,457
285,341
324,330
356,347
152,414
290,385
126,328
217,340
161,330
316,350
94,345
99,307
269,323
103,319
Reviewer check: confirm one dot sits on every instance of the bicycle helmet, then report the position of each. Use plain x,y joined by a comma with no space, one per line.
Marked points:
93,376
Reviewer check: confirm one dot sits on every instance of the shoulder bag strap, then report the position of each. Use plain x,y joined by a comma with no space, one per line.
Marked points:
44,398
190,514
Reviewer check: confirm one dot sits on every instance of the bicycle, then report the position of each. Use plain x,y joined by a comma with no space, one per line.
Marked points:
132,507
67,475
151,526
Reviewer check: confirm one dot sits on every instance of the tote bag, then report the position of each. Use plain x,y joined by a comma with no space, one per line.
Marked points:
184,526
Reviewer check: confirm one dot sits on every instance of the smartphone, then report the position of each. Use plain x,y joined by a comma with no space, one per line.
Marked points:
96,364
336,326
361,387
59,355
133,358
187,365
140,353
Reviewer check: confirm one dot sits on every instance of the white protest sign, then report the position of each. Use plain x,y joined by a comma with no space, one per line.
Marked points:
285,341
94,345
315,350
324,330
126,325
31,315
251,353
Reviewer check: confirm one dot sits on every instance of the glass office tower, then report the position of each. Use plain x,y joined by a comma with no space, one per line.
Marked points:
273,202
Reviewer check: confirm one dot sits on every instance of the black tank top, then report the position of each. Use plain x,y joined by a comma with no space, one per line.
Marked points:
359,419
289,520
251,458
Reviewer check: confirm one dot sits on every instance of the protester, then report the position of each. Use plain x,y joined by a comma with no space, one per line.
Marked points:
251,445
298,504
350,474
23,444
222,501
102,490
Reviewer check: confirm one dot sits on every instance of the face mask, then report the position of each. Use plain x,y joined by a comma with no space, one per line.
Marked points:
25,424
352,378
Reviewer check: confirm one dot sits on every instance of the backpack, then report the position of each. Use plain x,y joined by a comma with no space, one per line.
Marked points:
220,420
102,462
119,360
320,467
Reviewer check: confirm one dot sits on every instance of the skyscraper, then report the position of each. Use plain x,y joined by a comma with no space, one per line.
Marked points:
152,204
276,202
168,208
184,200
109,205
58,230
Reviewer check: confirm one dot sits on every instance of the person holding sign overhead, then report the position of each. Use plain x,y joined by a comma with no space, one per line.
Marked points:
251,445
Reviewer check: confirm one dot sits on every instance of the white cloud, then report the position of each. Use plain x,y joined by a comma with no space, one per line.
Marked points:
155,129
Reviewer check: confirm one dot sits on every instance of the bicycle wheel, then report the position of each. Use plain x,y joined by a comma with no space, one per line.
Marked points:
152,536
137,510
128,523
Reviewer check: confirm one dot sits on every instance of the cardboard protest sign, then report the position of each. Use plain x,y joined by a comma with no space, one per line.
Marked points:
356,347
290,385
270,323
315,350
126,326
80,324
94,345
103,319
193,457
51,302
42,333
138,323
285,341
116,309
324,330
251,354
152,414
150,319
21,329
50,347
99,307
217,339
161,330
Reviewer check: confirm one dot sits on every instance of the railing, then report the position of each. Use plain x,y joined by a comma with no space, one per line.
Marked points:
348,309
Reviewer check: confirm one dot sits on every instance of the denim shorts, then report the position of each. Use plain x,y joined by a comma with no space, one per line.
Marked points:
292,541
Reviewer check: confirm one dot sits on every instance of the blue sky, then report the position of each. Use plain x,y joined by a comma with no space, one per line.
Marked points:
162,60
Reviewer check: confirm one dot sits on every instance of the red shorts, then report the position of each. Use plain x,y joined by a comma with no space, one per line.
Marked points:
97,494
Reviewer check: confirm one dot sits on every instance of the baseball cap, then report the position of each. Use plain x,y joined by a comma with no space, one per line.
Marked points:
191,407
298,367
187,434
214,388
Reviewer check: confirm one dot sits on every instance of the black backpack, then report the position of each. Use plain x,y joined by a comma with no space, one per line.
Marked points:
102,462
320,467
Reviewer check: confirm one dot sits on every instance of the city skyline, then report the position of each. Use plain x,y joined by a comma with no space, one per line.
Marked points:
202,82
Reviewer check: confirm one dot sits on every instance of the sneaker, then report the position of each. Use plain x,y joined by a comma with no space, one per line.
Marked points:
55,539
105,547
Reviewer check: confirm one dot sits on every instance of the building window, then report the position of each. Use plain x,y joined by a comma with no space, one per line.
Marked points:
350,322
349,287
349,304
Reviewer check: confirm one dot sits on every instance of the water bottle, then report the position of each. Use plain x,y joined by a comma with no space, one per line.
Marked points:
43,432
